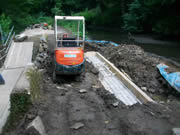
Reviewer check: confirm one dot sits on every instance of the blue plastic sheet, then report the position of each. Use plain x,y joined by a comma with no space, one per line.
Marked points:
172,78
1,80
103,42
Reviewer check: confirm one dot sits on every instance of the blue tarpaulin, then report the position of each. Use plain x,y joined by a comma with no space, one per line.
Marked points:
103,42
172,78
1,80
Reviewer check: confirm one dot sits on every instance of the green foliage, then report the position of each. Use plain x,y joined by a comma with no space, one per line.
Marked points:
5,23
159,16
161,2
133,15
20,104
22,23
133,20
167,26
72,26
88,14
131,23
57,8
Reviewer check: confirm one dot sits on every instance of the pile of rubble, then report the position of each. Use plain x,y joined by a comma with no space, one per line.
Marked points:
42,56
44,26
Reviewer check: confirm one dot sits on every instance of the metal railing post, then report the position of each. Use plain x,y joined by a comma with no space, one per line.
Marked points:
6,44
2,36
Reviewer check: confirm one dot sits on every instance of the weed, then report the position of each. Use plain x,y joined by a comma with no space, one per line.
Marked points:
35,84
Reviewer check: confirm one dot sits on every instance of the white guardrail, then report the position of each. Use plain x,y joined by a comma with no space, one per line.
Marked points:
6,45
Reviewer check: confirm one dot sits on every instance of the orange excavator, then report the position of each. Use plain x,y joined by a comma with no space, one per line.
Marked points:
69,48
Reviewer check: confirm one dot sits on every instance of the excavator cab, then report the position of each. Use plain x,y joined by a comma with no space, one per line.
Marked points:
69,47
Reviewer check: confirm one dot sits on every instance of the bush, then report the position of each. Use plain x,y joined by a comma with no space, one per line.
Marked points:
88,14
169,25
5,23
22,23
20,104
134,20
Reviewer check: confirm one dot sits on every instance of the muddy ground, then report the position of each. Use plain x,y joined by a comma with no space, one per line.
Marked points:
62,105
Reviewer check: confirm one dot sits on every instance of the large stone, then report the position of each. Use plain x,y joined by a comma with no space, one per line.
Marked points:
144,88
50,27
45,46
176,131
37,26
39,59
37,124
41,49
43,39
77,125
82,91
37,64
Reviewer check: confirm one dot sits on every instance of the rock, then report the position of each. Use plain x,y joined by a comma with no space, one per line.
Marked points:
39,59
77,125
82,91
144,88
106,122
115,104
161,102
96,87
38,125
30,116
45,46
41,49
36,26
36,63
45,28
42,71
58,87
67,85
43,39
151,90
49,27
94,71
20,38
176,131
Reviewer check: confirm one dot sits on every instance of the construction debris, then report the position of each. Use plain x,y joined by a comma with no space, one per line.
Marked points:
83,91
42,55
77,125
38,125
176,131
115,104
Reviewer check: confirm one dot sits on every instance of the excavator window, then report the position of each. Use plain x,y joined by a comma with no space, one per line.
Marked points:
68,43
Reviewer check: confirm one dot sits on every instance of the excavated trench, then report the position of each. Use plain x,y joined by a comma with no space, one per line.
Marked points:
84,100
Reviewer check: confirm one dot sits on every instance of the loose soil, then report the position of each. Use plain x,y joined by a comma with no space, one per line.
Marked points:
63,105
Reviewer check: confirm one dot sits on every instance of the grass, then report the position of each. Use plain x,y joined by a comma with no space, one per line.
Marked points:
35,84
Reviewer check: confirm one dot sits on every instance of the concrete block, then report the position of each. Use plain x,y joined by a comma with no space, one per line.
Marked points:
176,131
38,125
